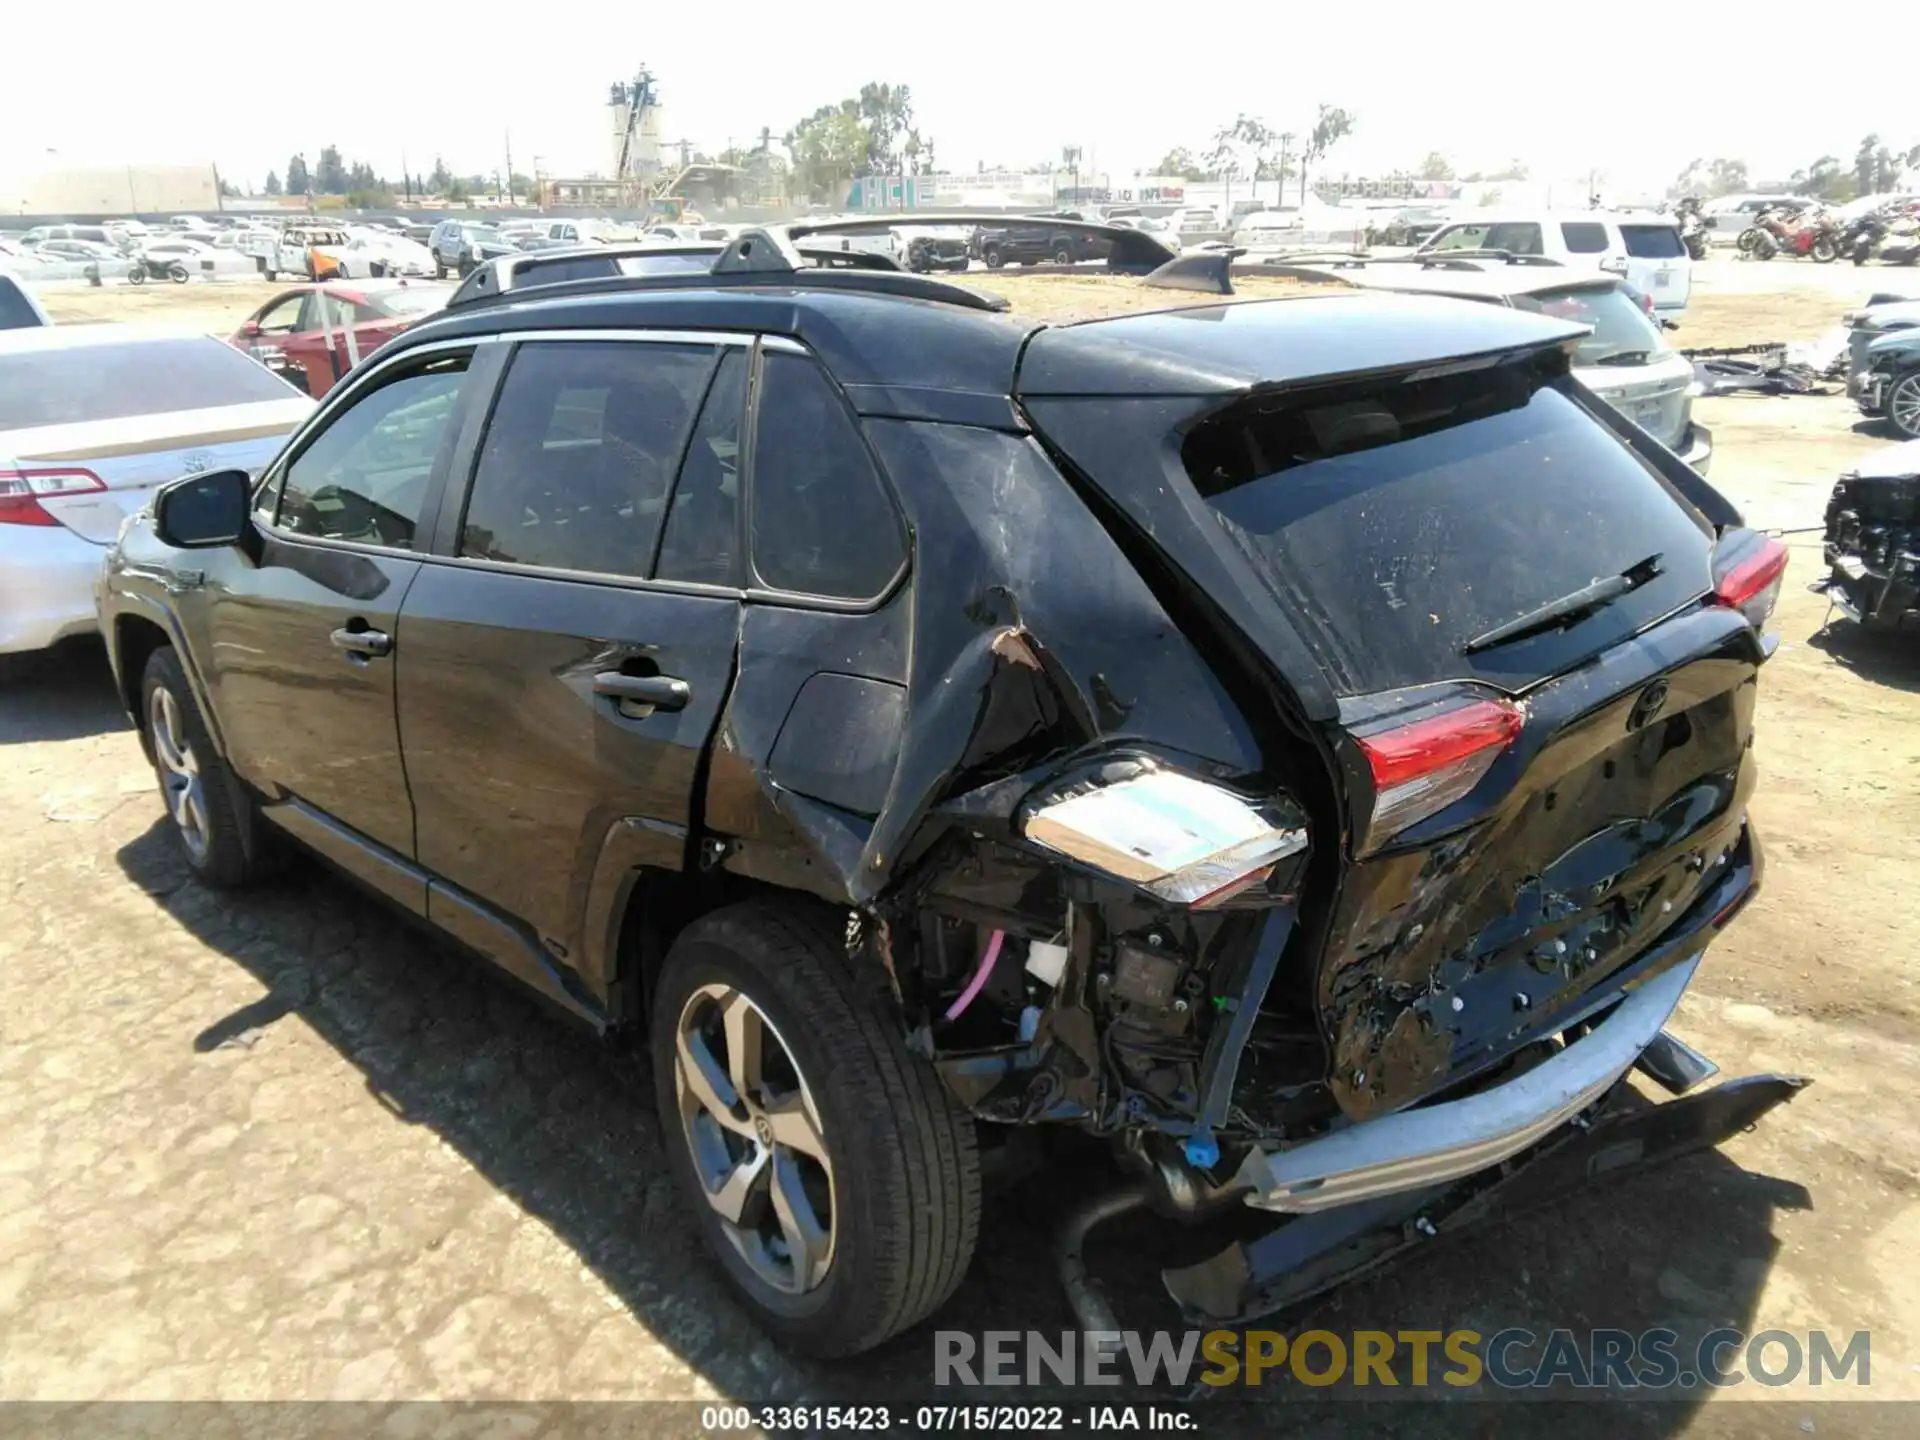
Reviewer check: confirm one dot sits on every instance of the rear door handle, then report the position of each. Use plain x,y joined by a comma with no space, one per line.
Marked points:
363,642
662,692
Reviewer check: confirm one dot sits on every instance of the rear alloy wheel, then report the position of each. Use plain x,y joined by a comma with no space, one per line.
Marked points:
993,257
832,1175
1903,404
210,812
1063,255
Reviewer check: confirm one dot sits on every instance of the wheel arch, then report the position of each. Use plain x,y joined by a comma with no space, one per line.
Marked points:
133,638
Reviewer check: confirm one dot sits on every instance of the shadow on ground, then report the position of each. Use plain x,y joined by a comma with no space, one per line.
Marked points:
61,694
564,1126
1886,657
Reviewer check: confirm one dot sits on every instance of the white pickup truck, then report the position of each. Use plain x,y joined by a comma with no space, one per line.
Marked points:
313,252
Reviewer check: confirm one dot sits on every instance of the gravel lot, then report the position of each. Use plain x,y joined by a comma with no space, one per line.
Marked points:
281,1146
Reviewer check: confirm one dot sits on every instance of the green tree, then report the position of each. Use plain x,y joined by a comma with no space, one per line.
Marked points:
272,187
440,178
828,148
377,196
1330,127
455,190
1709,179
1874,169
1180,162
1436,167
1825,179
887,113
330,176
298,181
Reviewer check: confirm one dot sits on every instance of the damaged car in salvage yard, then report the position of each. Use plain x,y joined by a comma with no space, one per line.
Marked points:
1305,743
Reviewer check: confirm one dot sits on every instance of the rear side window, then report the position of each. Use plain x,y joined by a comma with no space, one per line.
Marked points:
1652,242
1399,521
579,454
16,310
72,385
365,477
1517,237
701,543
822,522
1584,237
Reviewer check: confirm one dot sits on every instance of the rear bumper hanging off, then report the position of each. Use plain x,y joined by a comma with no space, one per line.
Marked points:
1434,1144
1318,1252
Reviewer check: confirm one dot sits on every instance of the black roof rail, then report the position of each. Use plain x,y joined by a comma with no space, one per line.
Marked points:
754,257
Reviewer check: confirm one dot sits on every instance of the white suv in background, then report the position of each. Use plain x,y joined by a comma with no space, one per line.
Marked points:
1643,248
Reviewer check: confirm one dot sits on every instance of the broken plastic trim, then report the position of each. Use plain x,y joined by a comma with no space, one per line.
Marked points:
1176,837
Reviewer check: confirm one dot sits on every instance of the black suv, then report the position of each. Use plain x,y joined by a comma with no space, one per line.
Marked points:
1038,242
1204,729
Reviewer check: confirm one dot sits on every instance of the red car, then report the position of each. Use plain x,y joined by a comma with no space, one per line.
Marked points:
315,333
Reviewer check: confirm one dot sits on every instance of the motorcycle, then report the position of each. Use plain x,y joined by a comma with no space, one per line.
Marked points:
1809,233
1892,232
141,269
1693,227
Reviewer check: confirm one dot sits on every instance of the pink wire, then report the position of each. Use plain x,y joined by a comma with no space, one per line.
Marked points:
980,976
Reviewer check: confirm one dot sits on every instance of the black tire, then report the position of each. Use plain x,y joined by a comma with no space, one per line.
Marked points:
177,273
1824,251
905,1210
1901,407
233,850
439,270
136,274
993,257
268,273
1765,247
1063,254
466,268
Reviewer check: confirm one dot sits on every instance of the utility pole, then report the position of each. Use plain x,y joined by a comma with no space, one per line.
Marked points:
406,177
509,135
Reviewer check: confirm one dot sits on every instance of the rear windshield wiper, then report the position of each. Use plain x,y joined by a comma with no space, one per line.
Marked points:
1568,610
1623,357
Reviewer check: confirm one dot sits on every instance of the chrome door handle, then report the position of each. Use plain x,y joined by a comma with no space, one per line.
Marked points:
362,642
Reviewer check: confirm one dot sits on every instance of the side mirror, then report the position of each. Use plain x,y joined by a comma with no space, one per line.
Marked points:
204,512
250,329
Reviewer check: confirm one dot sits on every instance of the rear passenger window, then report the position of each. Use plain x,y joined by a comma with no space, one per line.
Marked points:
1584,237
365,477
1516,237
579,454
822,522
1652,242
702,539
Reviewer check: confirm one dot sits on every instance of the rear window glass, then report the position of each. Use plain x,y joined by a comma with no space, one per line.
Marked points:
1652,242
148,377
1516,237
1584,237
1398,522
1621,329
411,301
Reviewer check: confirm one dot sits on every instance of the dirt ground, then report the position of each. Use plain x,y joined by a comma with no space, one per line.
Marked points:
281,1146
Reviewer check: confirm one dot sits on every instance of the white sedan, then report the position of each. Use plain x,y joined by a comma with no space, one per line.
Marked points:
372,254
92,418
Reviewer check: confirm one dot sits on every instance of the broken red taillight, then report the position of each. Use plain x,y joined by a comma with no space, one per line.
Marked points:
1422,767
23,488
1752,583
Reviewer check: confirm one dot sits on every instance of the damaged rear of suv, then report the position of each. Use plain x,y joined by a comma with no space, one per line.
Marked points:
1306,744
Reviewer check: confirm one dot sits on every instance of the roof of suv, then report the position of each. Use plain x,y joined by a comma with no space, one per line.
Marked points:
891,352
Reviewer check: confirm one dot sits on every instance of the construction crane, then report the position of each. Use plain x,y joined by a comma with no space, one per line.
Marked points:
639,96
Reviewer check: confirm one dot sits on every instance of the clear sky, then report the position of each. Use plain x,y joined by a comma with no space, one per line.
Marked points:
1633,89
